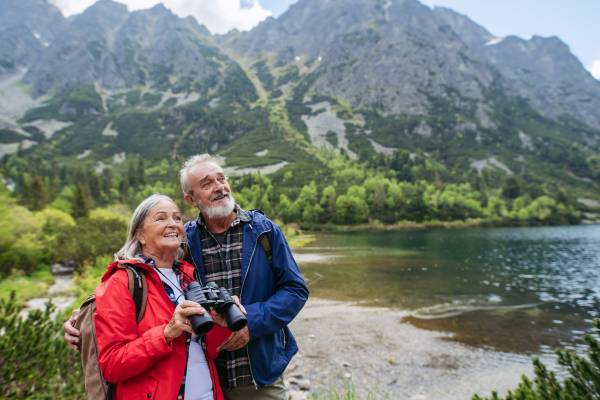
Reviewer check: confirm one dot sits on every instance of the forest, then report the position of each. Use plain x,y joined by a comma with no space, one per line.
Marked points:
61,214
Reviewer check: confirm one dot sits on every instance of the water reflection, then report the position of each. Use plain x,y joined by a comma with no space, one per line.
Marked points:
510,288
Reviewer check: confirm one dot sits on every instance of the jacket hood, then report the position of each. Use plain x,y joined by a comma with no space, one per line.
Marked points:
138,262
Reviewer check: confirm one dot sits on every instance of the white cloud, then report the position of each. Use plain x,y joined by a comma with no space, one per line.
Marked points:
219,16
595,70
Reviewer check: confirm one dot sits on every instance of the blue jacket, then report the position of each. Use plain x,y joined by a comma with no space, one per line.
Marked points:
272,297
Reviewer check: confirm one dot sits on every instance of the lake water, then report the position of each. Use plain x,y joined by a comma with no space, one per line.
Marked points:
524,290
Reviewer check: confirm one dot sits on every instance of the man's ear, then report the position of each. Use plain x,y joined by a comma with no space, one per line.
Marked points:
191,201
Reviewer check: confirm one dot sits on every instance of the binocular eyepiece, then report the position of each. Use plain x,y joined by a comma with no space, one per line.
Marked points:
219,299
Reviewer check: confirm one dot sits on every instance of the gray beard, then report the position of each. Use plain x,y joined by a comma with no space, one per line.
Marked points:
217,212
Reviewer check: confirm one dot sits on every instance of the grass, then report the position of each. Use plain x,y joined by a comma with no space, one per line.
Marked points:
348,393
27,287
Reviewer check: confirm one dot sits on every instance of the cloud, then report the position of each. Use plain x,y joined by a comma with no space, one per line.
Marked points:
219,16
595,70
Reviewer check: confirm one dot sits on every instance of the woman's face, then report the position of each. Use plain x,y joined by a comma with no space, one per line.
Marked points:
163,229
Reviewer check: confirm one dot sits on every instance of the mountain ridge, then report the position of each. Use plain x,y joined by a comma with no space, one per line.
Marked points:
366,79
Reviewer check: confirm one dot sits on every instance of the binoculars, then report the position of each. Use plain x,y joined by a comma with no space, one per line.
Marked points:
219,299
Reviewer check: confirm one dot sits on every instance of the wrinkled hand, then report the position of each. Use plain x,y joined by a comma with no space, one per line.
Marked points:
179,321
237,340
220,318
72,334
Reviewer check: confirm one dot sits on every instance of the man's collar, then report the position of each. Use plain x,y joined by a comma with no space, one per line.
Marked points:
240,216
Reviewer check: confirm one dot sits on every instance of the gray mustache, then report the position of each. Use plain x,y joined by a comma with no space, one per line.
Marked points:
223,193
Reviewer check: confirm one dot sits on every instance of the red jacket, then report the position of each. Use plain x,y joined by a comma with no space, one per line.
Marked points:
137,357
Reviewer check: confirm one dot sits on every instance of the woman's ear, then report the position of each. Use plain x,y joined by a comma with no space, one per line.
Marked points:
140,237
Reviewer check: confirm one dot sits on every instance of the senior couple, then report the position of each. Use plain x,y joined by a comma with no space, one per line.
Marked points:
161,358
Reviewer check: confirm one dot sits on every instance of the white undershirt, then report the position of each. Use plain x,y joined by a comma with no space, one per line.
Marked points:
198,385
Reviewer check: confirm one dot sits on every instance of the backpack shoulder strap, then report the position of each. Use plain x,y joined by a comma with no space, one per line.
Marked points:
265,243
138,288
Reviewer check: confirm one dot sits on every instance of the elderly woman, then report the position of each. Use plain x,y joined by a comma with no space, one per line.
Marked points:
152,360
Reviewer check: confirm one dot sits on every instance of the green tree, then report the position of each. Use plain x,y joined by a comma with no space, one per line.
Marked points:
37,194
328,199
80,204
510,188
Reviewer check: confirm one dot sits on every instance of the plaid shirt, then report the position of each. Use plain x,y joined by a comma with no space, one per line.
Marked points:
176,298
223,266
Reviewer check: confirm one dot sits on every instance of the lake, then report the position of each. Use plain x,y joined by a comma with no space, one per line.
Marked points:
525,290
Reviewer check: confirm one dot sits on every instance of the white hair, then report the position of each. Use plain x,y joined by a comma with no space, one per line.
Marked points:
133,247
184,173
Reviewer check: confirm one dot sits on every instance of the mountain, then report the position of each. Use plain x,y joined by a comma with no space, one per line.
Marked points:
541,70
424,94
109,46
26,28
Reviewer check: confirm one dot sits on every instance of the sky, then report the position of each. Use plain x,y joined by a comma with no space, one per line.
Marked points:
575,22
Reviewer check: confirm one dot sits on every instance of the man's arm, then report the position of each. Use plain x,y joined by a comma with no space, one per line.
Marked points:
72,334
266,318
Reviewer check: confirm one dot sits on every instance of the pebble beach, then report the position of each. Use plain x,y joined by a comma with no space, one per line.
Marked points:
373,350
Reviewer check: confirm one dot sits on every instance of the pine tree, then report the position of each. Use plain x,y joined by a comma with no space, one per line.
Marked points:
583,382
36,194
80,204
95,189
141,172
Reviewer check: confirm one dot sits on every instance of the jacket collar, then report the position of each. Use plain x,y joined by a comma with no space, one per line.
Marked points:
146,264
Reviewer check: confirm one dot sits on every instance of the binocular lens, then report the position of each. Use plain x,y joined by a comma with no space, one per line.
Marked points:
201,324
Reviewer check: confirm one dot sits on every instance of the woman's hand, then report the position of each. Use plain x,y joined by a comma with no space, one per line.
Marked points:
220,318
179,321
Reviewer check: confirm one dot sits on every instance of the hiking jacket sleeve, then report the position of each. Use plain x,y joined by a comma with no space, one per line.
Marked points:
121,353
270,316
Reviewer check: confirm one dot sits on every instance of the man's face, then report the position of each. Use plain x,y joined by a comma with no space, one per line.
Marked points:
210,191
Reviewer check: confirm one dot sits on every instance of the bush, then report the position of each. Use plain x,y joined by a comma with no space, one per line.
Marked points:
584,382
35,361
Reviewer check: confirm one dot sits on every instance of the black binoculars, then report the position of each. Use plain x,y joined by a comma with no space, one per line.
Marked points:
219,299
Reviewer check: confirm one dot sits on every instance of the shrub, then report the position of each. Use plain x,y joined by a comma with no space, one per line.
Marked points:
584,382
35,361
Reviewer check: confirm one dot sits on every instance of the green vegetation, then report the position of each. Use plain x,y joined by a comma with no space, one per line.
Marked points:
34,358
26,287
348,393
8,136
583,382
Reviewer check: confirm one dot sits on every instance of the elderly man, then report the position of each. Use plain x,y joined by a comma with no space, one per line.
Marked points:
224,247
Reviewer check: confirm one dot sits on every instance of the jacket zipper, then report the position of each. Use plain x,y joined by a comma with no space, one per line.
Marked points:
241,291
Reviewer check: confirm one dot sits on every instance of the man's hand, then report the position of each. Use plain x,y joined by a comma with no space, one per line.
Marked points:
72,334
237,340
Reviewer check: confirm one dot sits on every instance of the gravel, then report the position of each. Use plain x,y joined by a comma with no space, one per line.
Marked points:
373,349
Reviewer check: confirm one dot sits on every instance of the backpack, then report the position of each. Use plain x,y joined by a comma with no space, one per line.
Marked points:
95,385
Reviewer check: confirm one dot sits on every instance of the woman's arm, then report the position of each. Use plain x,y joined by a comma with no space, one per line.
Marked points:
122,354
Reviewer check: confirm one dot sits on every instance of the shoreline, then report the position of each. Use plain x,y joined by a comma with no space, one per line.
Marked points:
431,225
378,351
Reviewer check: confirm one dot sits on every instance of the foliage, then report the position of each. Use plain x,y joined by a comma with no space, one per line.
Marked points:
35,361
583,382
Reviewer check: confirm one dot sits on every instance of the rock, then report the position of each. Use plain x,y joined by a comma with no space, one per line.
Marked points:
419,397
304,384
297,375
312,336
290,368
346,364
297,395
292,380
347,375
64,268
